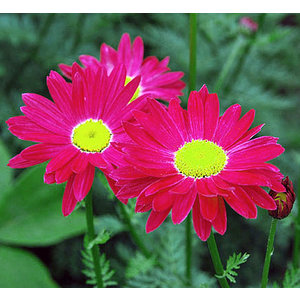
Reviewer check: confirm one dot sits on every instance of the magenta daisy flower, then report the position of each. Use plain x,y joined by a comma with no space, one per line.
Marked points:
156,80
196,160
77,130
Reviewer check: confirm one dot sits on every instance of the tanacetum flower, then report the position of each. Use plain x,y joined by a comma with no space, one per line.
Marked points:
156,80
284,200
196,160
76,131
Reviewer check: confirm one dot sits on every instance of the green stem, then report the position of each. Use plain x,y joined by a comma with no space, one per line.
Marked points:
188,234
192,86
134,235
224,74
91,236
296,249
193,52
214,253
269,252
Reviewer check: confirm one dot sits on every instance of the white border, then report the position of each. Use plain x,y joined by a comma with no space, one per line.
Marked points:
153,6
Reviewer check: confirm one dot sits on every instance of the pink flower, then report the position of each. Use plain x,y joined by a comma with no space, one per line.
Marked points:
249,24
156,80
196,160
77,130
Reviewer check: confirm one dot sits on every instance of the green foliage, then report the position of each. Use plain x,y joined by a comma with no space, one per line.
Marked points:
6,174
166,267
21,269
101,238
30,218
233,263
87,260
291,279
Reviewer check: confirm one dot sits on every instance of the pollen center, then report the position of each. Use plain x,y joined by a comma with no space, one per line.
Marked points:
91,136
137,92
200,158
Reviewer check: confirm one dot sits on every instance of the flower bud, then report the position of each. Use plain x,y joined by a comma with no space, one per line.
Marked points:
249,24
284,201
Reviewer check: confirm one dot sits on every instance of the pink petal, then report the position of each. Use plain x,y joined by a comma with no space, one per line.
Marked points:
220,221
211,116
209,207
226,122
183,186
241,203
180,118
238,130
183,205
62,158
18,162
201,226
80,162
258,154
69,201
156,219
137,56
41,152
260,197
83,182
163,183
163,201
196,114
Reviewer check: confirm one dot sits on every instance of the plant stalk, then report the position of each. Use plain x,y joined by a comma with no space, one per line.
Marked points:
296,250
134,235
91,236
269,252
214,253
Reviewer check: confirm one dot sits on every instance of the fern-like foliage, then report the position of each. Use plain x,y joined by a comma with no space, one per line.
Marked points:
233,263
89,270
166,267
291,279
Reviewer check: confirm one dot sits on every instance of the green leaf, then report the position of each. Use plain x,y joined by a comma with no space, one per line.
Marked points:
30,214
6,173
233,263
21,269
101,238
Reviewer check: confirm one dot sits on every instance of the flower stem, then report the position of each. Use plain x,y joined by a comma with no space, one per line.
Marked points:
193,52
192,86
134,235
91,236
188,248
296,249
224,74
214,253
269,252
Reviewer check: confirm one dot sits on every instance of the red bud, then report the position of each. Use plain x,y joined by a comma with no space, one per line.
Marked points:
284,201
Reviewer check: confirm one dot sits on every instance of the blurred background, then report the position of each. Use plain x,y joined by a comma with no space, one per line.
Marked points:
258,69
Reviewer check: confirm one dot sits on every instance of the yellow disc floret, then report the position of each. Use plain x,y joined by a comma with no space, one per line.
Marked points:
200,158
91,136
137,92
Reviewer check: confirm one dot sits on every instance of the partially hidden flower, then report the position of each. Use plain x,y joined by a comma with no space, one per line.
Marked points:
284,200
249,24
156,80
76,130
196,160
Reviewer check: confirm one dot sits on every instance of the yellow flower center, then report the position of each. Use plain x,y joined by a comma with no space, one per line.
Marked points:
137,92
200,158
91,136
281,197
